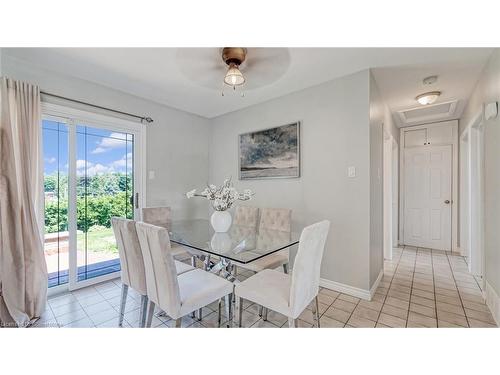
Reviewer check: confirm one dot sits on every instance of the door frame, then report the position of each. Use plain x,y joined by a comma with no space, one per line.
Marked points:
390,154
70,116
454,179
473,138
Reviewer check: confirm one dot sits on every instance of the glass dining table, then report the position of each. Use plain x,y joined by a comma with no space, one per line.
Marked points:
222,251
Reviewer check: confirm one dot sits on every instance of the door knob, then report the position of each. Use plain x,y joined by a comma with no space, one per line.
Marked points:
447,201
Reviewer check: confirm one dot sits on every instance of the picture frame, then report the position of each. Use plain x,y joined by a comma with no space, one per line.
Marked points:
270,153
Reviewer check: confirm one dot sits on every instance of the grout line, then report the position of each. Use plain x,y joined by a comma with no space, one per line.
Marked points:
390,284
411,288
434,288
458,291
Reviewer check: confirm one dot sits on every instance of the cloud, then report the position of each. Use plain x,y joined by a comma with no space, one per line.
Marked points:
115,140
99,169
50,160
123,162
81,164
91,169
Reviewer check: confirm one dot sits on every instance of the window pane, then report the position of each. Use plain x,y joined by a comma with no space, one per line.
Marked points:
56,241
104,187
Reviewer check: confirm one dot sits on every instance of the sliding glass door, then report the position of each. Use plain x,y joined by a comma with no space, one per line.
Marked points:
55,159
91,175
104,188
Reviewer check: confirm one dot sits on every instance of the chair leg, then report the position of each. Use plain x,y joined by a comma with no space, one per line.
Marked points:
285,268
292,323
122,304
178,323
316,303
200,314
261,310
227,304
143,312
193,261
229,308
151,310
264,315
240,319
219,318
315,312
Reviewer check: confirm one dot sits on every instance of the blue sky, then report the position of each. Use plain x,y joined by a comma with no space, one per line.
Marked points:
98,151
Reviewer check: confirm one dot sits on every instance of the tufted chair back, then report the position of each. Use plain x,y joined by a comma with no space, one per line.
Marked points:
161,274
276,219
156,215
246,216
306,268
129,250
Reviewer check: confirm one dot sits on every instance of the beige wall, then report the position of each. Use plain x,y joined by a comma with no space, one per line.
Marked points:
177,142
335,134
487,91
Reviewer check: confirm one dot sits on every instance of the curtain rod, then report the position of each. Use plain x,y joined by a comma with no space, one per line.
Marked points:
142,118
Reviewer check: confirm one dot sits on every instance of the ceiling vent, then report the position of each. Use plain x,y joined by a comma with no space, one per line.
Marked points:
428,113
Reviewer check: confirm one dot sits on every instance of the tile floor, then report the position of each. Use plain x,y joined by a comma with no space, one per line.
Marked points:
420,288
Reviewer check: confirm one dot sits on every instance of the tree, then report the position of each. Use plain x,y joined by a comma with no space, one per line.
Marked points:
99,198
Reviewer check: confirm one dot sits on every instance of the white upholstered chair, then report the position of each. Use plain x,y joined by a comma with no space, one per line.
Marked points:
272,219
246,216
290,294
132,265
161,216
177,295
276,219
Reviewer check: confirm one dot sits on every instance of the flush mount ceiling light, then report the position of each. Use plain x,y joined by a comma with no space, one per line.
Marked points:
428,97
234,57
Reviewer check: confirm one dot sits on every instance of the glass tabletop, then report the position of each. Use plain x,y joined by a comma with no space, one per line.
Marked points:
239,243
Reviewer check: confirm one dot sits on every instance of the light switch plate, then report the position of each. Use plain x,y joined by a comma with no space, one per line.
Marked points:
351,172
151,175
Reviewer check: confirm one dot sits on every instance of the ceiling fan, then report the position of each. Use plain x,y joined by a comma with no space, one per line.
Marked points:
235,67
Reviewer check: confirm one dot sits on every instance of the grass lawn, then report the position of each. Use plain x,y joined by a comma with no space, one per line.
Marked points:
100,240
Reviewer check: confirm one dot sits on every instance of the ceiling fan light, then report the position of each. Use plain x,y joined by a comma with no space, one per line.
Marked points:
428,97
233,76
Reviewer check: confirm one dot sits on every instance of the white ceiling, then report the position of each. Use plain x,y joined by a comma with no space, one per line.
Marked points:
456,79
191,79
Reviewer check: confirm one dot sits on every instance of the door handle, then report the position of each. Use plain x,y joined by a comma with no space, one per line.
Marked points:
447,201
135,202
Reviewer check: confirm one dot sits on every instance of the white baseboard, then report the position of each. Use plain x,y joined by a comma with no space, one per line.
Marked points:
376,283
347,289
493,302
351,290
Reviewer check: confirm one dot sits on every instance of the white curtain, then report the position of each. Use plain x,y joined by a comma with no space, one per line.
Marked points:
23,271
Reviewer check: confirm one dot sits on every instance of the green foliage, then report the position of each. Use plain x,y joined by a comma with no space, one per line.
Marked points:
99,210
56,216
50,182
105,196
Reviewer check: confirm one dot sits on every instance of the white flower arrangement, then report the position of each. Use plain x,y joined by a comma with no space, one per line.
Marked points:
222,197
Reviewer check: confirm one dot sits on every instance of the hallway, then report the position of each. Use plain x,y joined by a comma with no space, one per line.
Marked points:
429,288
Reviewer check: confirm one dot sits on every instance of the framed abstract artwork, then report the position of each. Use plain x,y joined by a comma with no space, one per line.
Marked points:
270,153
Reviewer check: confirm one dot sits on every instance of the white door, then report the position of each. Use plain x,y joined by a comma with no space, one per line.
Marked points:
428,194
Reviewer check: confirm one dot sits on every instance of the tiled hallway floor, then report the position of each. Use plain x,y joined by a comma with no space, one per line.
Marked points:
420,288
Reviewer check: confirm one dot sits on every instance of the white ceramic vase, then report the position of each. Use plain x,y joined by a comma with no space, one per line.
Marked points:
221,242
221,221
